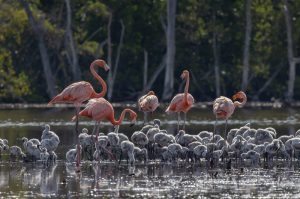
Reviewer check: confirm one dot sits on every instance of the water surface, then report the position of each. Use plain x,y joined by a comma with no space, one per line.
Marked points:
152,180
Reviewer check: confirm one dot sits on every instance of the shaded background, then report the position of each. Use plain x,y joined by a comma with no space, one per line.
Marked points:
226,45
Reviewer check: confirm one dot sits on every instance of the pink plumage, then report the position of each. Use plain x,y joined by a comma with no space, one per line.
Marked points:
79,92
178,103
224,107
148,102
100,109
182,102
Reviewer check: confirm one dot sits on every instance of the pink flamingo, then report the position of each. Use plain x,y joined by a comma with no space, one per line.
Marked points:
148,103
182,102
100,109
79,92
224,107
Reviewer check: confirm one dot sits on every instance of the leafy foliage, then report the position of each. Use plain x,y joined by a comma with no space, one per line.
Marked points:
21,73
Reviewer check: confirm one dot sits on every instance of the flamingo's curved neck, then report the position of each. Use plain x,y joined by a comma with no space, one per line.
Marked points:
239,104
102,82
186,88
121,118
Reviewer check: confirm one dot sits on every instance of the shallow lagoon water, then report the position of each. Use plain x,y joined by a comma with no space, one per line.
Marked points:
152,180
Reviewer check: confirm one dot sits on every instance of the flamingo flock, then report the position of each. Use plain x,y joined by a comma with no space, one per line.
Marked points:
152,142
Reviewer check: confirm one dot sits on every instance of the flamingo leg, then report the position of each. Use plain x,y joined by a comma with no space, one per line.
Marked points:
76,124
184,121
215,128
225,132
111,156
117,129
94,129
178,119
145,117
97,130
78,159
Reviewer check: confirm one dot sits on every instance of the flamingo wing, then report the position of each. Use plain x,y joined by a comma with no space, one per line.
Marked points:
97,109
223,107
142,98
149,103
141,102
77,92
177,99
177,104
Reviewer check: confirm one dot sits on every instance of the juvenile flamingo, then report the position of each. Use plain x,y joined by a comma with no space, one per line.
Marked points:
182,102
224,107
148,103
79,92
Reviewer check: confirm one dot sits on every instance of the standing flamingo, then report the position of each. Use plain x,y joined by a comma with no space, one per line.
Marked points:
148,103
100,109
79,92
182,102
224,107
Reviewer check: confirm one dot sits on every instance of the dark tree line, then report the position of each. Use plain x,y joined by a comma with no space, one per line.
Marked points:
250,45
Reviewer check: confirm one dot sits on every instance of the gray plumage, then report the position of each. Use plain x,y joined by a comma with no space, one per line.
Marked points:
139,138
253,156
71,155
128,148
262,136
16,152
231,135
184,139
249,132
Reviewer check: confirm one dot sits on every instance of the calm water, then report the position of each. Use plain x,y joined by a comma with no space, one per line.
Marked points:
153,180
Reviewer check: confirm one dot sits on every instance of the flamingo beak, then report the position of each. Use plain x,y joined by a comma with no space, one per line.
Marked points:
106,67
234,97
240,96
237,97
182,76
132,123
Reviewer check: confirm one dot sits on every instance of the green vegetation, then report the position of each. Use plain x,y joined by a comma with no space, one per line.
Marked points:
23,76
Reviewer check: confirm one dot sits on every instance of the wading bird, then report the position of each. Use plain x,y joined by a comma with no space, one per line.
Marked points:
100,109
79,92
148,103
224,107
182,102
